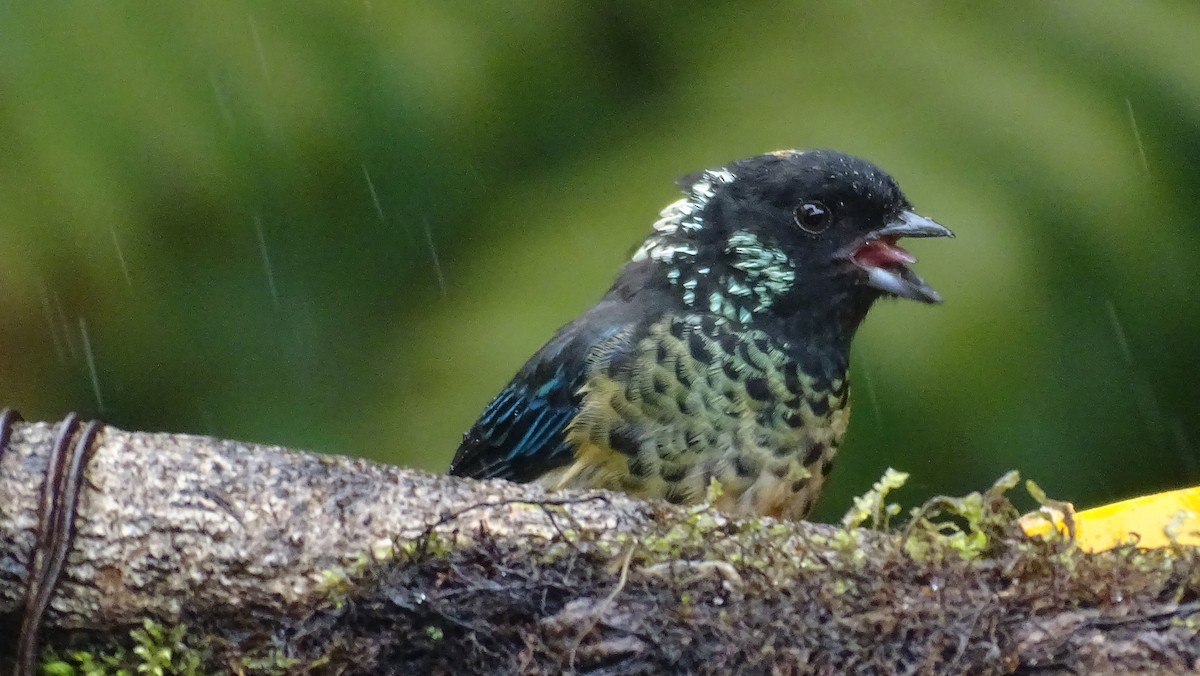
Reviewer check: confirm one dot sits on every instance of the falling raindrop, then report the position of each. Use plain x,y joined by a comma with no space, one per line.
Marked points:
872,399
374,195
375,201
121,256
222,100
1150,409
437,265
48,310
1183,447
1119,330
1144,395
91,363
262,247
475,172
1137,135
258,46
68,334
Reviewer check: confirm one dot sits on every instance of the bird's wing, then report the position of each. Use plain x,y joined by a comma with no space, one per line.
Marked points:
520,434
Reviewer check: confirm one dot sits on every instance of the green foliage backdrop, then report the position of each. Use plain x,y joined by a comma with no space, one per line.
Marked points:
343,226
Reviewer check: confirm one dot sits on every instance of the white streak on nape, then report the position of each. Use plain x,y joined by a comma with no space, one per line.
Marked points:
689,297
705,188
719,176
715,300
681,216
783,276
736,287
665,252
670,217
743,241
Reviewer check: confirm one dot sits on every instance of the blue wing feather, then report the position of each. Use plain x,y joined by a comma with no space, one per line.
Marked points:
521,433
519,436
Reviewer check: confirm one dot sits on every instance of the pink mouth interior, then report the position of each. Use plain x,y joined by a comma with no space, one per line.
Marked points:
882,253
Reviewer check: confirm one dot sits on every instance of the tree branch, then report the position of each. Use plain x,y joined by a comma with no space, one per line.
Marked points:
360,567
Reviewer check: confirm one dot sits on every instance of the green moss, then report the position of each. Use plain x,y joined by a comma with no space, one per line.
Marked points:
477,602
156,650
970,526
684,538
872,506
340,581
272,662
923,597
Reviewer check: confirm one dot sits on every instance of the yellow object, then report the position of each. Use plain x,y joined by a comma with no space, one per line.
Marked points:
1150,521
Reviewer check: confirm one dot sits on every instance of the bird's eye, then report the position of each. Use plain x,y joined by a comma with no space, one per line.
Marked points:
813,217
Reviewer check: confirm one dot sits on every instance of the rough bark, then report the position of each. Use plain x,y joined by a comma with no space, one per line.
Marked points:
342,565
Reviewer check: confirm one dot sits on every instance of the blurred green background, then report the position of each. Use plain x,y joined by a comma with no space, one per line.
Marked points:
344,226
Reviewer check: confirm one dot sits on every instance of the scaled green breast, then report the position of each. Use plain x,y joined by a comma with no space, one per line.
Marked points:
700,399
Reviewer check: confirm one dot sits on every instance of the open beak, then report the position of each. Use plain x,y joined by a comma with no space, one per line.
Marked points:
886,264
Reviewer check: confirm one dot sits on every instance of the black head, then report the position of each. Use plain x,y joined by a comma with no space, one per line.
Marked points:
786,233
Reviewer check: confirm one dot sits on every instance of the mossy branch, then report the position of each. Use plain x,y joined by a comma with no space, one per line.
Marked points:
279,561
